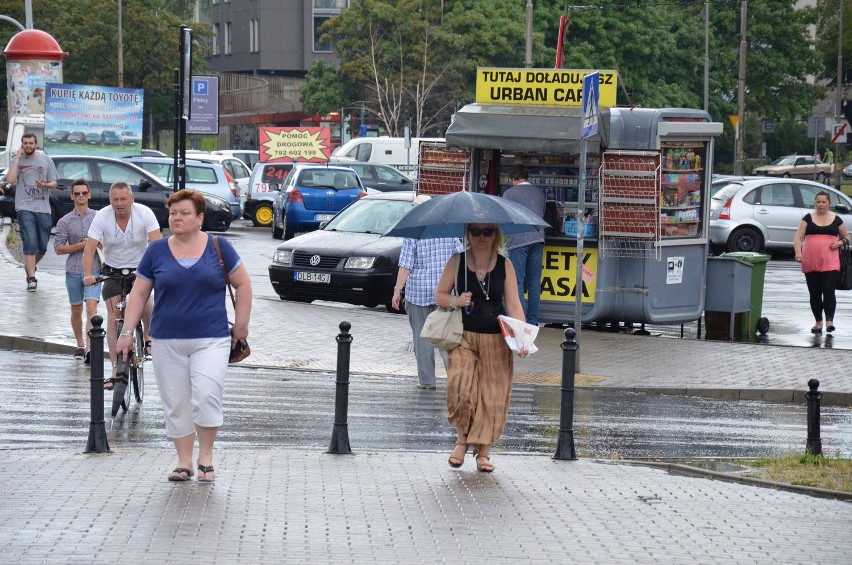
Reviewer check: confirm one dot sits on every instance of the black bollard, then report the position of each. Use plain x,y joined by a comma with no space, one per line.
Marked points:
340,434
814,445
565,444
97,428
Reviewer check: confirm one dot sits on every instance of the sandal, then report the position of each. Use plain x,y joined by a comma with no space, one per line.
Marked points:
148,349
180,474
483,464
206,469
816,330
455,461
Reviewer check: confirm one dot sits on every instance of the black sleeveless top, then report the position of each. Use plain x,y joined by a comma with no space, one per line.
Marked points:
481,316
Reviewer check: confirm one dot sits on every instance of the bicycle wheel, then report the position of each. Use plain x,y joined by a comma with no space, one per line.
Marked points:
137,375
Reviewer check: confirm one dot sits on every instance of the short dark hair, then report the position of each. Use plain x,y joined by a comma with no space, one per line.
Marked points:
79,182
29,134
188,194
519,172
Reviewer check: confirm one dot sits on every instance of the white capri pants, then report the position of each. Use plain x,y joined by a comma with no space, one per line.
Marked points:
190,377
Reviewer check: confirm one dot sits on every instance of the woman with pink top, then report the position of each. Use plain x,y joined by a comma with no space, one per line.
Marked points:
820,235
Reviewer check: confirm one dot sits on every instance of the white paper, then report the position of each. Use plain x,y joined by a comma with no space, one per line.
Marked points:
518,334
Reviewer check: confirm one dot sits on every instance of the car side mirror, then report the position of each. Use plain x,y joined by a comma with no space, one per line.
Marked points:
841,209
144,185
323,224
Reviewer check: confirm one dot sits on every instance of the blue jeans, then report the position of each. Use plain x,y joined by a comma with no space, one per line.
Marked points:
527,261
35,231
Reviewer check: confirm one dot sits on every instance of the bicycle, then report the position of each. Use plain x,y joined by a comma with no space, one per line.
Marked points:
129,375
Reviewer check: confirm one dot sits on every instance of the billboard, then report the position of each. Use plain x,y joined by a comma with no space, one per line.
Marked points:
84,119
294,144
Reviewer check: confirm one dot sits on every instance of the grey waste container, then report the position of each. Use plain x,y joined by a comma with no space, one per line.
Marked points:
753,323
728,292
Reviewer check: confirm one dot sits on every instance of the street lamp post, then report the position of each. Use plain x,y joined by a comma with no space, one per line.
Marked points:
739,169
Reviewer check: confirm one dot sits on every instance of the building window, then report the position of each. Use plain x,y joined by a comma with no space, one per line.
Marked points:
324,10
254,36
215,39
227,45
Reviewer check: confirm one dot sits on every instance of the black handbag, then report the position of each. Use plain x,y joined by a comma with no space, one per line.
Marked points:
241,350
844,281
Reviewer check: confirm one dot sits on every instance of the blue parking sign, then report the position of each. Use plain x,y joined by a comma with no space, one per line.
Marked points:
591,90
200,86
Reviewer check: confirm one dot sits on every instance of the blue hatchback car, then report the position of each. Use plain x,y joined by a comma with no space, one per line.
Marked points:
313,194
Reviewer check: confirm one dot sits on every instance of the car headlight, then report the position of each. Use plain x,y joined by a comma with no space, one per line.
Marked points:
283,257
359,263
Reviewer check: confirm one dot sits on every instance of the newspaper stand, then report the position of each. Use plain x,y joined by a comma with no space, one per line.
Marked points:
646,206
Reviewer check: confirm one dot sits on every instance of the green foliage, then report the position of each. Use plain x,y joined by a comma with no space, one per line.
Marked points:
827,28
88,31
324,90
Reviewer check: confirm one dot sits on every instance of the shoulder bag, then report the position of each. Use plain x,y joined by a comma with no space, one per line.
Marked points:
241,350
844,281
443,327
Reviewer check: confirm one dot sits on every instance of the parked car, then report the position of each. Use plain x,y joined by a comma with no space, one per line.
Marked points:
236,168
249,157
346,260
128,137
110,138
847,171
752,215
101,172
59,136
76,137
796,166
313,194
210,178
377,177
259,198
93,139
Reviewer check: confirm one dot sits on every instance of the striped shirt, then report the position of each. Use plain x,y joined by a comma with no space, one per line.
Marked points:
425,258
73,228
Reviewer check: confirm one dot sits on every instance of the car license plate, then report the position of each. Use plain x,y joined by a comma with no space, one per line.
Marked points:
324,217
301,276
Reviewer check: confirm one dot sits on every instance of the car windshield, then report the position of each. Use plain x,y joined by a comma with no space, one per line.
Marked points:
328,178
784,161
369,216
727,190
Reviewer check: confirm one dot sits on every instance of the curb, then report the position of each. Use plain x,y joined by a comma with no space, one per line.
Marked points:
690,471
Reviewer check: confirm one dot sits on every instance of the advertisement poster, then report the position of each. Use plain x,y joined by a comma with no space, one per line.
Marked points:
26,82
559,270
92,120
294,144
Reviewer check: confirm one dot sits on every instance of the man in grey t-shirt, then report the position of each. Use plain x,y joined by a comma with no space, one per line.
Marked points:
33,174
526,249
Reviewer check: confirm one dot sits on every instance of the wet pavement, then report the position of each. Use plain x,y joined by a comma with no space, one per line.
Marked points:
278,497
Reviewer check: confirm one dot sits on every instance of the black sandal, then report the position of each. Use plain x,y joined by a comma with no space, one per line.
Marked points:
206,469
180,474
148,348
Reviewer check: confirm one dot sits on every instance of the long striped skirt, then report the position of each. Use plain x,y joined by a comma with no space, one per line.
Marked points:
479,386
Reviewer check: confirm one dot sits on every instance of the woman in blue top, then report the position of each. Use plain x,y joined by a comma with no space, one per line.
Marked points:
189,327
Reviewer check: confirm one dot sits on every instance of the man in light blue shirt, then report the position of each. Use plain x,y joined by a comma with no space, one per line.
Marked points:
421,263
526,249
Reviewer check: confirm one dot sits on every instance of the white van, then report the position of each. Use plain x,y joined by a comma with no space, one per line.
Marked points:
386,150
18,126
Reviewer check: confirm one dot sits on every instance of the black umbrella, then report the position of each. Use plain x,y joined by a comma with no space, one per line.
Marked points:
446,216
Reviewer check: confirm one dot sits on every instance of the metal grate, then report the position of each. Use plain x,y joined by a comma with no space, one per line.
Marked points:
442,170
629,215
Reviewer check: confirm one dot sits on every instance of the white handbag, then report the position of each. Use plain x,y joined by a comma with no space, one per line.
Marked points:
443,327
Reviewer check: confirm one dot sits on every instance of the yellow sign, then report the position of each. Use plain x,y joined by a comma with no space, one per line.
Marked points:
540,87
735,119
294,144
559,271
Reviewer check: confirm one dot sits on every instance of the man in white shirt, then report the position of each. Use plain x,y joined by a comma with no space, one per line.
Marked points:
124,228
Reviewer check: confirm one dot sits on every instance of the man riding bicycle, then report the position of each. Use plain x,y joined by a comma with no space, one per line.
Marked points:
124,228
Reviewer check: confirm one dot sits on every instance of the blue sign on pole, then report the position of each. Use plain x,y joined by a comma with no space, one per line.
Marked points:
591,90
204,106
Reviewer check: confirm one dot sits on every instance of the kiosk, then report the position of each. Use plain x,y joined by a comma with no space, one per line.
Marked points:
647,199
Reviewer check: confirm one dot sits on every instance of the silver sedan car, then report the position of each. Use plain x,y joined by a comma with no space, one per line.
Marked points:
757,214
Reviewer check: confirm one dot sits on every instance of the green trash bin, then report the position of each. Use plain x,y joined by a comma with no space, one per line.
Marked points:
750,323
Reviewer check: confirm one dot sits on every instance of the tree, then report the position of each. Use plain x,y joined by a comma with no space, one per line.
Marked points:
88,32
324,90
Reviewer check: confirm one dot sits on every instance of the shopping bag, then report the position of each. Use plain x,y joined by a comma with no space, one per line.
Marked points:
844,282
443,328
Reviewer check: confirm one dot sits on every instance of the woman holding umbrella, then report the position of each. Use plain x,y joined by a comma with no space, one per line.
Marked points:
480,370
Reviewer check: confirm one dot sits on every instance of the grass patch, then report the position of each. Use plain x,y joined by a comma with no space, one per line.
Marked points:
834,473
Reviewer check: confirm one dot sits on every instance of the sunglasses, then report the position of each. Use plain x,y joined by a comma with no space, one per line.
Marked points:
81,193
477,232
